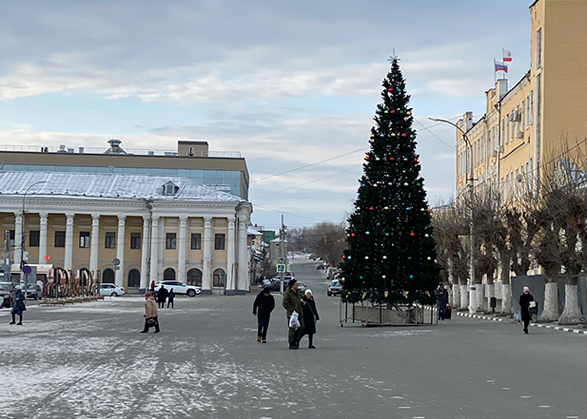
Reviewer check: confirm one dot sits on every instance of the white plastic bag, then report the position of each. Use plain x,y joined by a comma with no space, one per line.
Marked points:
293,320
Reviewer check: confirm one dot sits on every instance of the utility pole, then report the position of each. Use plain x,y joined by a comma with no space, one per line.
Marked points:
282,253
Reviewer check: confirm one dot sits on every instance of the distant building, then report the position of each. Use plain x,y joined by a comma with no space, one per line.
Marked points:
179,216
526,129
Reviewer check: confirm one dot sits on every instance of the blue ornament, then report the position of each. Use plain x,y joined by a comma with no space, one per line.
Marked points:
411,276
409,208
366,232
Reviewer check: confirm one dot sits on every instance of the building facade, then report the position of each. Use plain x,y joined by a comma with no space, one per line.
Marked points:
128,229
542,119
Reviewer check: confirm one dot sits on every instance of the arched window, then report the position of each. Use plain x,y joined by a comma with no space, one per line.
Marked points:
169,274
108,276
195,277
218,279
134,278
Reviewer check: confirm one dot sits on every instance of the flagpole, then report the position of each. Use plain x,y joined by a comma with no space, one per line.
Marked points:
494,76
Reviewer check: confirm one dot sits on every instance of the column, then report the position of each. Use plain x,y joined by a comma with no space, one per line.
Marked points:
182,248
120,250
17,238
145,254
94,243
230,257
154,274
43,237
68,261
207,274
243,256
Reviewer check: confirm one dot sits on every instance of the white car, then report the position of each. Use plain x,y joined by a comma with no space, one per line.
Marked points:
179,288
111,289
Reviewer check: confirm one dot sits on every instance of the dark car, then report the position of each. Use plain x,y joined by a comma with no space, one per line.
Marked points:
34,291
6,294
335,288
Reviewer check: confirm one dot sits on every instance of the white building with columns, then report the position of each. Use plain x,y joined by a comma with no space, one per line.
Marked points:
157,227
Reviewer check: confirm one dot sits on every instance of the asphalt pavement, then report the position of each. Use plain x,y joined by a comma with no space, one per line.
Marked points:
90,361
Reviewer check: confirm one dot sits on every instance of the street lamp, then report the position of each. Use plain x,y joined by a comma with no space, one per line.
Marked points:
469,175
22,263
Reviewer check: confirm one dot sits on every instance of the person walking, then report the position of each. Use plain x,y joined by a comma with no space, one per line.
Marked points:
152,286
292,301
170,297
151,314
525,300
262,308
311,317
18,306
442,294
161,296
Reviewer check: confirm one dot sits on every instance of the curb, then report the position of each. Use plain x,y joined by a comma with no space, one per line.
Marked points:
545,326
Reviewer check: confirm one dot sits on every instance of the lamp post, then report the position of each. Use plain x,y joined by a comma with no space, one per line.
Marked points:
22,262
469,175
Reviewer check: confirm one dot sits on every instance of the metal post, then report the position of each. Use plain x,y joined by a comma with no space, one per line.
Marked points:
470,179
22,262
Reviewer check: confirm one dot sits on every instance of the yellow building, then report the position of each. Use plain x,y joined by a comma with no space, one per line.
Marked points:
526,129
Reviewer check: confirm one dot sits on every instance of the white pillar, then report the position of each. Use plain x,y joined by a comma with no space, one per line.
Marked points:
94,243
230,257
68,261
43,237
145,254
243,256
207,274
17,238
154,274
182,248
120,250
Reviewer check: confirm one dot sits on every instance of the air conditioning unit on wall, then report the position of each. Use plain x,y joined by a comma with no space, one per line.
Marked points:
520,134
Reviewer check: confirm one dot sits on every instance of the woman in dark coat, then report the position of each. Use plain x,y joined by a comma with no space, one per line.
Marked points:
525,300
310,317
18,307
161,297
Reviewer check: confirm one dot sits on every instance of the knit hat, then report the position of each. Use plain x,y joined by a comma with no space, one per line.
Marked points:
308,291
526,289
148,294
267,290
291,282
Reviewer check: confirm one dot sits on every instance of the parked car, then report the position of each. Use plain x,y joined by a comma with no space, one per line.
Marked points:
33,291
111,289
320,266
6,294
276,286
302,287
179,288
335,288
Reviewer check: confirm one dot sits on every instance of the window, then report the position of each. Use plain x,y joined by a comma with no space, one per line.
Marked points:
170,241
108,276
134,278
169,274
135,241
84,239
539,49
218,278
34,237
110,242
60,239
219,242
11,234
196,242
195,277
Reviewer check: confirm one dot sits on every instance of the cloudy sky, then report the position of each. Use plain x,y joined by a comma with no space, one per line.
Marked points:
292,86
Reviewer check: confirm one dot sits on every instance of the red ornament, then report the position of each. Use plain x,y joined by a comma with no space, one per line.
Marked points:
367,158
392,159
412,234
415,160
393,111
371,208
352,234
404,135
390,90
343,256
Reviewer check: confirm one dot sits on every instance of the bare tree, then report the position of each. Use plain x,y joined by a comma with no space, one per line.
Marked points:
324,240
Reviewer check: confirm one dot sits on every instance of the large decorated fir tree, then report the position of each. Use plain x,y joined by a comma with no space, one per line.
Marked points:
391,253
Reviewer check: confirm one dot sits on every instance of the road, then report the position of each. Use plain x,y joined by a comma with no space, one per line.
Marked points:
90,361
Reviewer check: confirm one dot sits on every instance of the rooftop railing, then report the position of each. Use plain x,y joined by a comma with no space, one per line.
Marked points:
102,150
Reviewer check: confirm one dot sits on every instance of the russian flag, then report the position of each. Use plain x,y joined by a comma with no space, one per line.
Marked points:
507,56
500,66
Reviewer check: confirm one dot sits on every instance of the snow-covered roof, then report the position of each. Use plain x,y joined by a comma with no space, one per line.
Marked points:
106,185
254,232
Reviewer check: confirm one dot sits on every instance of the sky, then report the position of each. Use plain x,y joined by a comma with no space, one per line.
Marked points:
291,86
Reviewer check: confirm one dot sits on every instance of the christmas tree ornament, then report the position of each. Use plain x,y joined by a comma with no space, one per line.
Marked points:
404,135
384,257
429,258
412,234
406,184
366,257
415,160
367,158
426,235
386,111
386,208
371,208
384,276
392,159
366,232
393,111
372,135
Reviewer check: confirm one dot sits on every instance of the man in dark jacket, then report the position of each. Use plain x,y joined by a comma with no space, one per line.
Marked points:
161,297
292,301
262,308
442,301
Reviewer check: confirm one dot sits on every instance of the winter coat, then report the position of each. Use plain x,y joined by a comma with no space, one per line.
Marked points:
525,306
171,296
442,297
310,311
292,301
263,305
150,308
18,307
162,294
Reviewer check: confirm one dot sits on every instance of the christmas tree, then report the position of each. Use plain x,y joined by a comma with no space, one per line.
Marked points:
390,256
